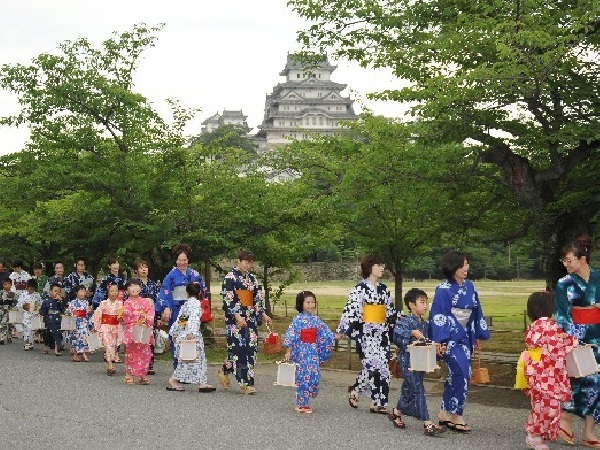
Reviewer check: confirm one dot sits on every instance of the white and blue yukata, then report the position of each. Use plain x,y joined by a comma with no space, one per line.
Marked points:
412,395
242,343
456,319
372,339
35,301
173,295
311,342
79,336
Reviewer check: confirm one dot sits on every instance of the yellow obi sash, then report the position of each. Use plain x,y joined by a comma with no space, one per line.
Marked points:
374,313
246,297
532,353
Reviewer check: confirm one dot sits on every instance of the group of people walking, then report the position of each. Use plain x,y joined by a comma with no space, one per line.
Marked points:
454,328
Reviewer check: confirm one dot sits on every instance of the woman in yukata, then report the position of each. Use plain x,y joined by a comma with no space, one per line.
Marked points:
577,312
457,321
368,318
172,294
244,312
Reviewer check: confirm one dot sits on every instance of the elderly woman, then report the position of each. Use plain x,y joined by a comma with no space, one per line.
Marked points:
368,318
172,294
577,304
244,312
456,321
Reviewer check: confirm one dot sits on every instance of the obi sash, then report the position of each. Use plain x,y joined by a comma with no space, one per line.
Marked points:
534,354
462,315
374,313
179,293
246,297
53,311
80,313
585,316
110,319
308,335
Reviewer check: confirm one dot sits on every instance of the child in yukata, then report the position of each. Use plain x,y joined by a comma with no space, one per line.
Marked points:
52,310
79,307
548,383
309,343
409,329
187,327
29,302
8,299
108,322
136,311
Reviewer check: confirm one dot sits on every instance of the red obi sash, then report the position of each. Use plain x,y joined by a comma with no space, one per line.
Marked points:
585,316
80,313
110,319
308,335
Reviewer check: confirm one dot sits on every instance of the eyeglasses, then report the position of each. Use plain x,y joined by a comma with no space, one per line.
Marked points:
566,261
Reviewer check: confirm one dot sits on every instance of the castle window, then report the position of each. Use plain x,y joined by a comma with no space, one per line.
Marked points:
297,75
314,120
320,120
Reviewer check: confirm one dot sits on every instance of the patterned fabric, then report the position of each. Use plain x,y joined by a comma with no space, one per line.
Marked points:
188,322
137,356
102,289
149,290
19,281
547,379
165,297
51,310
41,283
79,336
570,291
308,357
74,280
444,328
35,302
412,400
242,343
372,339
8,299
111,336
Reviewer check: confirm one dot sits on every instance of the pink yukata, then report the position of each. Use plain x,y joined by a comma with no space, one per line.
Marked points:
547,379
137,356
110,335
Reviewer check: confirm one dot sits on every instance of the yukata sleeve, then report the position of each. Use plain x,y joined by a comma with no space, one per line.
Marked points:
149,314
100,293
562,312
231,306
128,316
97,318
351,320
292,334
440,327
165,296
44,308
481,329
402,332
324,341
259,303
21,301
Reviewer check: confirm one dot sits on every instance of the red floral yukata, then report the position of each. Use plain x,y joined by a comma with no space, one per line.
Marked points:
137,356
547,379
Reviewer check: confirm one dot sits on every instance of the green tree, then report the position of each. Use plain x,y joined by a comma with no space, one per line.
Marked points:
519,79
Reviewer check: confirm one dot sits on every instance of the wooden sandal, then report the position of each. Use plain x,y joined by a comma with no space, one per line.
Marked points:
129,380
144,380
396,419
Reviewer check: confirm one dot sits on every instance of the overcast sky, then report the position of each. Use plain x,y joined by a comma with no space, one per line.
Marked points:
225,54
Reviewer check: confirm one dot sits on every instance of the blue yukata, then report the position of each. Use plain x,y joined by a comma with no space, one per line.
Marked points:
173,295
412,395
372,339
102,289
79,336
242,343
573,290
311,342
456,319
52,310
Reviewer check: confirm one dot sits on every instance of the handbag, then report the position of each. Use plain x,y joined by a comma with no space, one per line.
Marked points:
393,365
206,311
479,375
273,343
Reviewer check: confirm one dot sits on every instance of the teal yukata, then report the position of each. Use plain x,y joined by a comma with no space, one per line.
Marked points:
311,342
572,290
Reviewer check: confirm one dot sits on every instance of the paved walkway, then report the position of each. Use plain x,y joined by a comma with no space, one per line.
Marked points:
50,402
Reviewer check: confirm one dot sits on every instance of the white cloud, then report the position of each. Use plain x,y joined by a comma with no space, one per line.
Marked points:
210,55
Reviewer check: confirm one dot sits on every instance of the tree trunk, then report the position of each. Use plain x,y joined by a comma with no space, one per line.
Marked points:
266,289
207,276
398,272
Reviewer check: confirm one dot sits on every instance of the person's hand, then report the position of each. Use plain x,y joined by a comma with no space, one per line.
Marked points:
417,334
440,349
241,322
338,336
478,344
288,354
190,336
267,320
